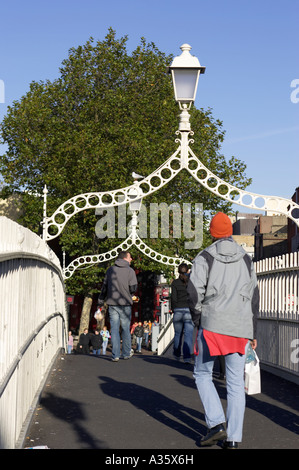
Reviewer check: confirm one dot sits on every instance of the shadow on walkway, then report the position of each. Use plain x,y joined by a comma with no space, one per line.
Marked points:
156,405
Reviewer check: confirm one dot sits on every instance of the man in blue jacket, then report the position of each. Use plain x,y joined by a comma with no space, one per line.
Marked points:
223,299
120,283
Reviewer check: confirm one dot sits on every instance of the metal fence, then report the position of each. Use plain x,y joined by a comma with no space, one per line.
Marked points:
278,321
166,337
33,325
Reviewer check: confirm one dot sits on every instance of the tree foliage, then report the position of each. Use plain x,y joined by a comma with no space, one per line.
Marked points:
109,113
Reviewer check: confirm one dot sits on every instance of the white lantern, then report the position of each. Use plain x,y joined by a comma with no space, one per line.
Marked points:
185,70
135,204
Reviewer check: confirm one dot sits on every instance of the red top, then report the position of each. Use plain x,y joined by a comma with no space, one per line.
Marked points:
220,345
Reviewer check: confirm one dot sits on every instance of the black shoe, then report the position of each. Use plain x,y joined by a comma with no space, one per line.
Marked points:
215,434
229,445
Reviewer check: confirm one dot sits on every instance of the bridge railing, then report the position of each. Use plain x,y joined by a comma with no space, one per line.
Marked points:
278,321
165,337
33,325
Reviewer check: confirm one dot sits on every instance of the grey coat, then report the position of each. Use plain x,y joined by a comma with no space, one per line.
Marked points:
119,284
222,290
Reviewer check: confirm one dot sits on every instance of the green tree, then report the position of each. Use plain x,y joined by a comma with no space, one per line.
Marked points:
107,114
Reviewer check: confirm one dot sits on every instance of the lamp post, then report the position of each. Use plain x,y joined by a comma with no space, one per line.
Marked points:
185,70
135,204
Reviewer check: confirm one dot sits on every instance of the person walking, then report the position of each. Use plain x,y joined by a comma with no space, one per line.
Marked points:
146,332
70,343
120,283
84,341
223,299
105,335
182,320
96,342
138,331
133,336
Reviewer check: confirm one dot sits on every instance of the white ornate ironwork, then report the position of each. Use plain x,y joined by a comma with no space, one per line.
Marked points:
183,157
240,196
148,185
89,260
133,239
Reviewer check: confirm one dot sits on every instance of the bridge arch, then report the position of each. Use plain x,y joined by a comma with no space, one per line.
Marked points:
182,158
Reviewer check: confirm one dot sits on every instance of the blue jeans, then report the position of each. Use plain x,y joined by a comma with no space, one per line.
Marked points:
120,315
214,414
104,346
139,343
182,323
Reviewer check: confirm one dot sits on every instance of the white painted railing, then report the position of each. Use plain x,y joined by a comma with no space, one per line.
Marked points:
33,325
165,337
278,322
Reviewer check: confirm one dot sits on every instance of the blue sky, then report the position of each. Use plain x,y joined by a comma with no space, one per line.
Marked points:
249,48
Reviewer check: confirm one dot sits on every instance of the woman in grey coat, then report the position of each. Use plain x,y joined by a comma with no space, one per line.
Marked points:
223,298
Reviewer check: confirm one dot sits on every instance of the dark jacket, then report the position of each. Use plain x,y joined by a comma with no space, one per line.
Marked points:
179,295
138,331
84,339
96,341
120,283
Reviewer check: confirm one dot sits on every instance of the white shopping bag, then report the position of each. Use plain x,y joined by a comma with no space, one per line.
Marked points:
253,376
99,315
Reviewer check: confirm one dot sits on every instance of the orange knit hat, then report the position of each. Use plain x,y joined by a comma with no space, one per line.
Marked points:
221,226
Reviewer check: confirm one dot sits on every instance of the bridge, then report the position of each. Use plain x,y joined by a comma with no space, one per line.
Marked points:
150,402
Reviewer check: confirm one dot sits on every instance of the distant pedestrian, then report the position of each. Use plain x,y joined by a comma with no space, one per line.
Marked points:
133,337
105,336
223,297
120,283
139,336
84,342
146,332
70,343
96,342
182,320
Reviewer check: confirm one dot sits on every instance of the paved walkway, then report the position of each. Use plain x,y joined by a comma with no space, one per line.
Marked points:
149,402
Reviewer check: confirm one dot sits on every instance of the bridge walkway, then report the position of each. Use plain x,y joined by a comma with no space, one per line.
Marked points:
149,402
